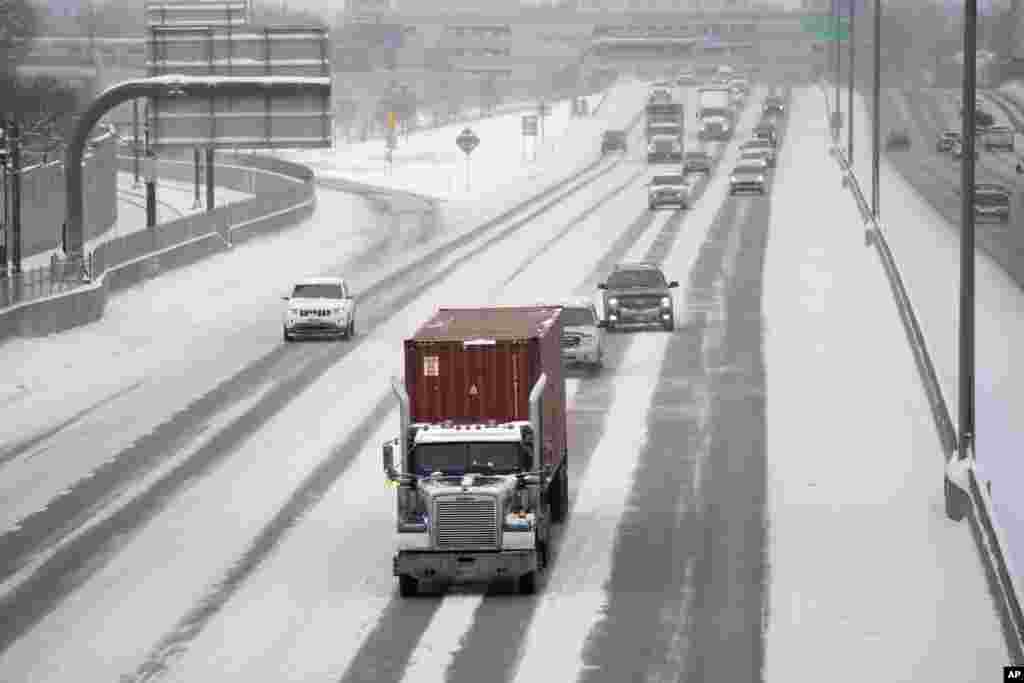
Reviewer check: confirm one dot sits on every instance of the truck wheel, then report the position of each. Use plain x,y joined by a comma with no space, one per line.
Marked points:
407,586
528,583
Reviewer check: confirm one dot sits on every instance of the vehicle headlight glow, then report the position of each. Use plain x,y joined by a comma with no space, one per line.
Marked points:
760,178
519,521
613,302
665,302
733,179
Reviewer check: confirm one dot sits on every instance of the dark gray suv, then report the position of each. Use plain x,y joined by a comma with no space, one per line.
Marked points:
637,293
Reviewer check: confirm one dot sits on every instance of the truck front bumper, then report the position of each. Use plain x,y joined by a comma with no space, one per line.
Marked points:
460,567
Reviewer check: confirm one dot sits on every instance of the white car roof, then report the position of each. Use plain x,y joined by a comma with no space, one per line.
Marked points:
321,281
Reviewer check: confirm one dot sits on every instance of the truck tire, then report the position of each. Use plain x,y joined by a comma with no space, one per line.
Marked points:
408,586
527,583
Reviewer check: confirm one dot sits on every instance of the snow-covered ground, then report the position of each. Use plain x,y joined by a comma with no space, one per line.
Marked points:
503,169
865,568
174,200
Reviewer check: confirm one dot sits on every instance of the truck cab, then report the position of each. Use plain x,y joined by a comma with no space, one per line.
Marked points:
480,464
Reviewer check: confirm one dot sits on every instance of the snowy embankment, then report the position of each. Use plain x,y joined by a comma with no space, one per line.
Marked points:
875,590
505,168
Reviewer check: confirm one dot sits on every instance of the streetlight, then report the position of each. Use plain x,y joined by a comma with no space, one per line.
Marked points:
876,124
965,444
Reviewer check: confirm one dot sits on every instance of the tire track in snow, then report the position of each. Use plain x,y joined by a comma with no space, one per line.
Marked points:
729,612
21,447
648,628
81,557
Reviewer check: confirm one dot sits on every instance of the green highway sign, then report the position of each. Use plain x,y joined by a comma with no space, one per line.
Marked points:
825,25
844,34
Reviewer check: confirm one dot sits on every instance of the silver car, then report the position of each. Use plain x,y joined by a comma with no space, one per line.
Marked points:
320,307
582,334
750,175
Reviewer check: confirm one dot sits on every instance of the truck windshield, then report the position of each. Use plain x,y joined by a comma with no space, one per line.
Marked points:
463,458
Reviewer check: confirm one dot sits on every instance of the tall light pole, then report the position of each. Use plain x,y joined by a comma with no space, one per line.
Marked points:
876,125
849,94
966,399
839,57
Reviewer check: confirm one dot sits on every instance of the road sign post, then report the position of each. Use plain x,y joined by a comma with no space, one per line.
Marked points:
467,141
529,130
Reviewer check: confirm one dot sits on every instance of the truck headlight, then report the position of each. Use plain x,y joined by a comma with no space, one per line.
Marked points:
760,178
666,302
733,179
518,521
613,303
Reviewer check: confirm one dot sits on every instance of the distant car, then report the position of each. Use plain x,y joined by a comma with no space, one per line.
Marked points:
773,104
761,145
999,137
664,149
946,141
320,307
668,189
766,131
897,139
685,79
613,141
582,333
697,162
992,200
750,175
659,96
637,293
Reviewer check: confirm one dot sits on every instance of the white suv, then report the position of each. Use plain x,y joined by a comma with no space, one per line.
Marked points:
320,306
582,333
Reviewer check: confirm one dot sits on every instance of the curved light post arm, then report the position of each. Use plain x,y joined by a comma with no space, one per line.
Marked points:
199,87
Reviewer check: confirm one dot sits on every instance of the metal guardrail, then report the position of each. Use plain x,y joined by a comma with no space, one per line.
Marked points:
65,275
963,475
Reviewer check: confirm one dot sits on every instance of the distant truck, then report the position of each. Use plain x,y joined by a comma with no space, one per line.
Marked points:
664,119
481,461
716,113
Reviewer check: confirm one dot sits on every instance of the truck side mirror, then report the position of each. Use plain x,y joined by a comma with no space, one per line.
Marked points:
388,452
1020,168
285,298
673,284
602,285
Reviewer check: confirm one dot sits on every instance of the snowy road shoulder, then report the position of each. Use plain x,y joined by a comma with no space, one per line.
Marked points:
854,459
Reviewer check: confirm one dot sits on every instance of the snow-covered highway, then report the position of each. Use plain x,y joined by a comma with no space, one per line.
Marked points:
189,499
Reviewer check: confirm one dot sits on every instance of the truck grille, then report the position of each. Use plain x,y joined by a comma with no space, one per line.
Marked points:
570,340
466,522
320,312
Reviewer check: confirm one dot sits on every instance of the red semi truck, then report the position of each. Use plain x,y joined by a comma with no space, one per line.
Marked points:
481,462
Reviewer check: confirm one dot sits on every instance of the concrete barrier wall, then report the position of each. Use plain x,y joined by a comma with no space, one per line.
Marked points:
130,259
42,197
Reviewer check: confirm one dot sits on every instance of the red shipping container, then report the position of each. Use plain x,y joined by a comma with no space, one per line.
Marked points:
471,365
